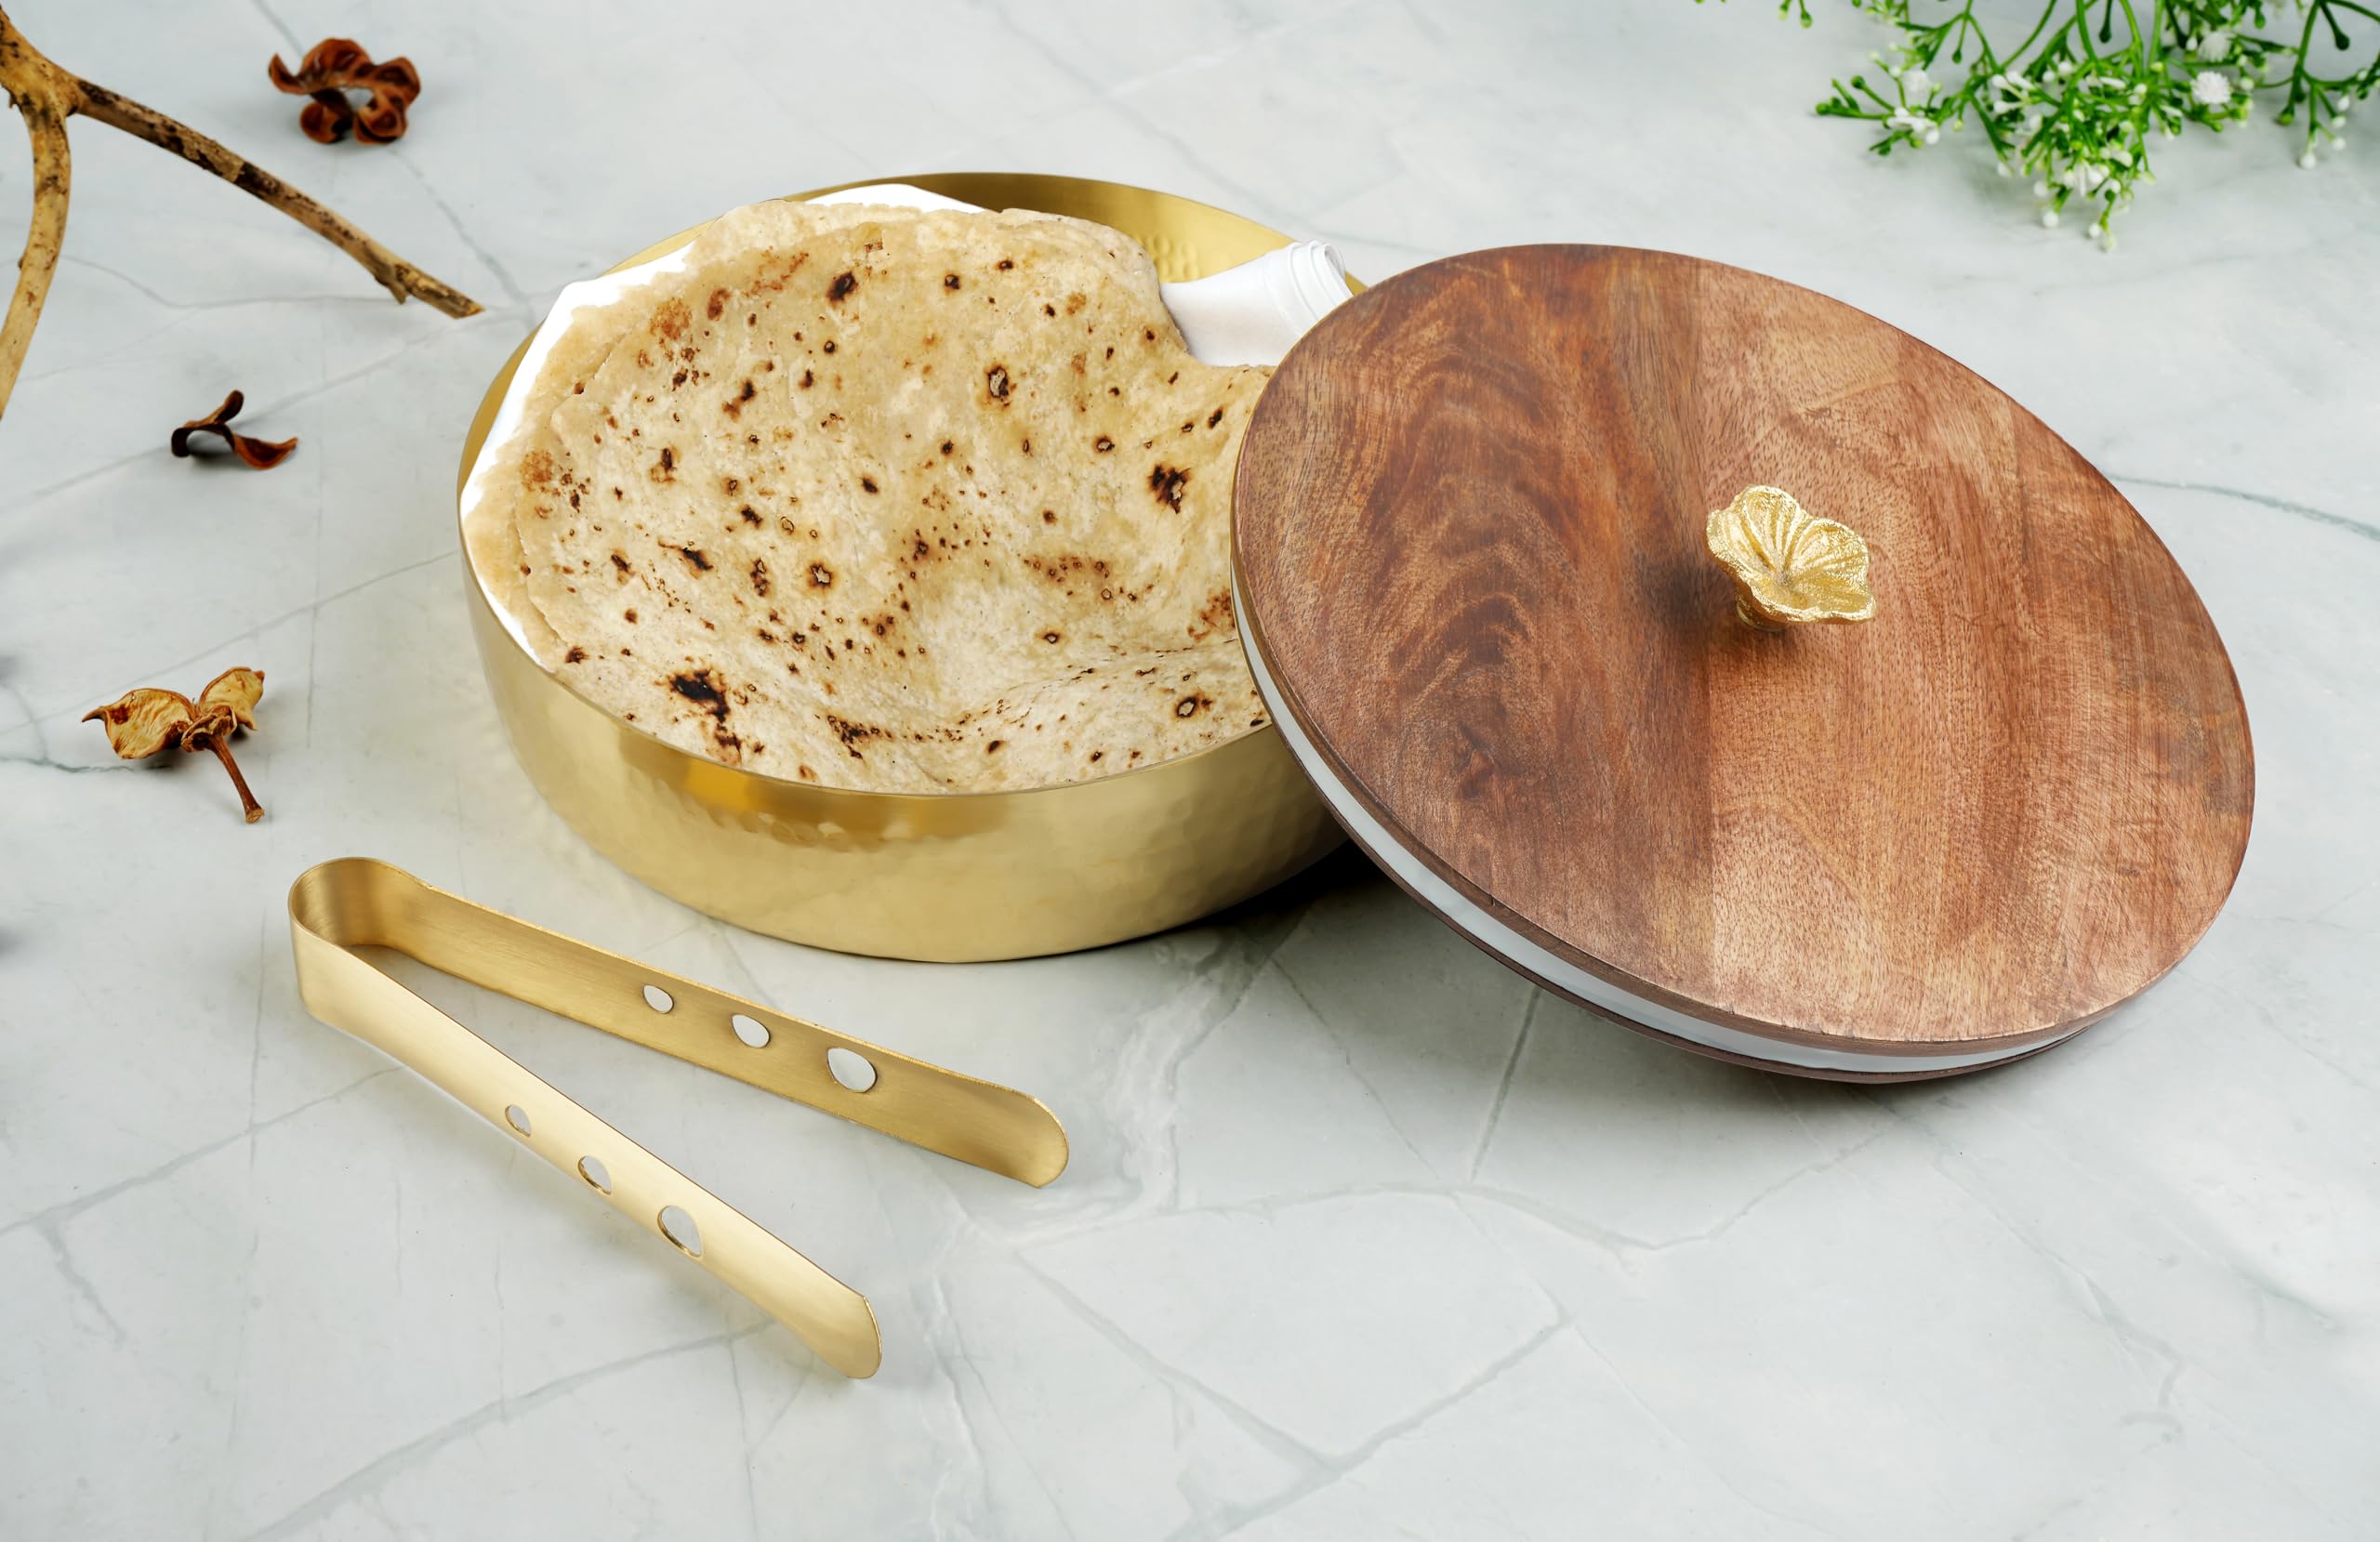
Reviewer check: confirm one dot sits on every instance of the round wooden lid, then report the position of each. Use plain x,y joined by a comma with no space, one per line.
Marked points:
1474,585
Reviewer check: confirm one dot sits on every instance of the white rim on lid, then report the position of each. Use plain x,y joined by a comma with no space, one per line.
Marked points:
1567,978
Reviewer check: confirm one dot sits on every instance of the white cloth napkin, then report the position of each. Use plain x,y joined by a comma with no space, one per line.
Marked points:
1251,314
1246,315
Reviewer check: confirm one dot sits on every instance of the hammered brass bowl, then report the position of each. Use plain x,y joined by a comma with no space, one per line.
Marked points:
945,877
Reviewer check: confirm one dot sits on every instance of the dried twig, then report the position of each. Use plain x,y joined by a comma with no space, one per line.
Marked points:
47,96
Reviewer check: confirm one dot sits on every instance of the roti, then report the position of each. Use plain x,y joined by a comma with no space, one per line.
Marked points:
888,499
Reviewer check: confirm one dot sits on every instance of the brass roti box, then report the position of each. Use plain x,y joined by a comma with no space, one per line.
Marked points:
947,877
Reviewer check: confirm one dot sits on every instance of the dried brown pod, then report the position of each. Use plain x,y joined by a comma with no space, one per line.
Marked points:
143,722
262,454
333,68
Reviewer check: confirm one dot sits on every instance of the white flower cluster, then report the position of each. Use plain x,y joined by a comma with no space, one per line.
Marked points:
1917,92
2073,109
2020,107
2331,134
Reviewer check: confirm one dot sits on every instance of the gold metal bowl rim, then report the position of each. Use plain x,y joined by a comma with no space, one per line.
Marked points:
475,438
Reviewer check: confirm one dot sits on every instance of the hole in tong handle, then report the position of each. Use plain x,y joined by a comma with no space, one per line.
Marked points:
679,1228
851,1068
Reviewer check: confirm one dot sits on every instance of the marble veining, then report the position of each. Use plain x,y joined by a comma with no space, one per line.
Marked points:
1362,1236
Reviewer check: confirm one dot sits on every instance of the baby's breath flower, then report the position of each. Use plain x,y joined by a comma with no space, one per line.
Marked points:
2073,109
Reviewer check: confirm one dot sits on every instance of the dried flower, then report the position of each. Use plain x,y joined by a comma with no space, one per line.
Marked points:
336,66
140,723
262,454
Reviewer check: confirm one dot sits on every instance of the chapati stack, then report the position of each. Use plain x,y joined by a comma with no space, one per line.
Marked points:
886,499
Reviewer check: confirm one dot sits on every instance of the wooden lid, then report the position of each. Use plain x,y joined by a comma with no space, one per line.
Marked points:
1473,581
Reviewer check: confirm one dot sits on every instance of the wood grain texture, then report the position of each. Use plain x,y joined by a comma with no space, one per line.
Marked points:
1470,535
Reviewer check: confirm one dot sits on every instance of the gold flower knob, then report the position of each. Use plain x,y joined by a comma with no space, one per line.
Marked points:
1789,564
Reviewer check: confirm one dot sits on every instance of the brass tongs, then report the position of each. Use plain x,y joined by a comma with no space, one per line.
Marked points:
355,901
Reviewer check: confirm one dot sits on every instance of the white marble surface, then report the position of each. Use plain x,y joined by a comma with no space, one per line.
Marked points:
1362,1237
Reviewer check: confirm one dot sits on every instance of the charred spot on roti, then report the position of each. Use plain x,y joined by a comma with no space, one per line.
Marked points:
702,688
1213,617
821,576
854,735
695,559
1167,482
575,655
995,382
841,285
